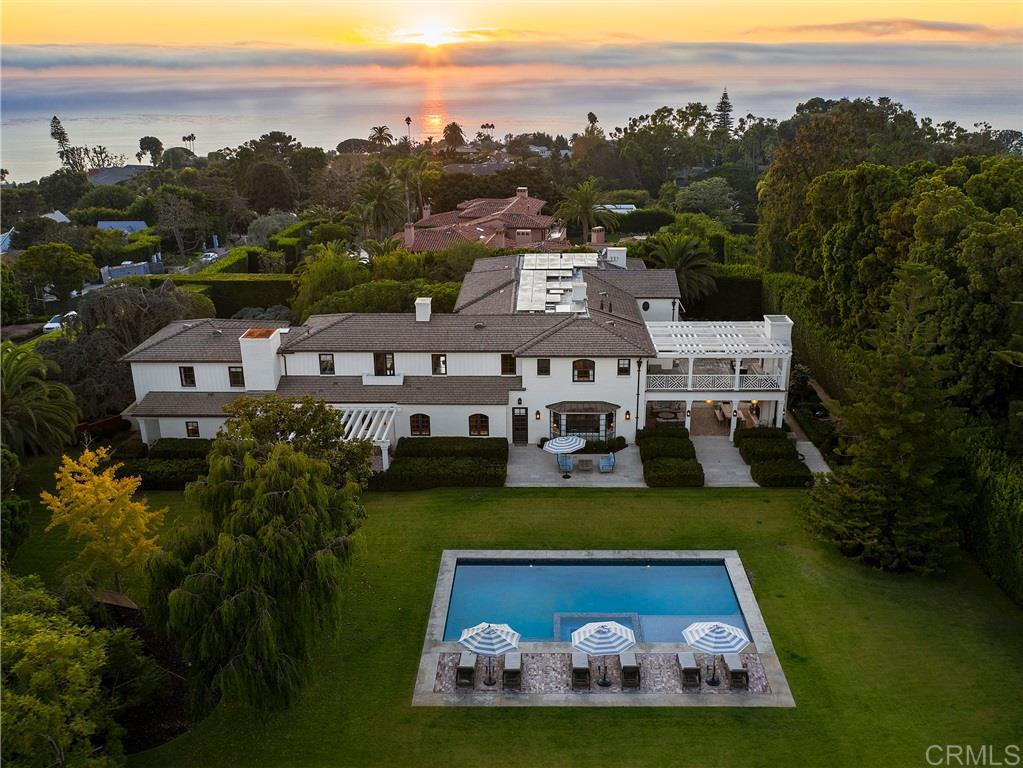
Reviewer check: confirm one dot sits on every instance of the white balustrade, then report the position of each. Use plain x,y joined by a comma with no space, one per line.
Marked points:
707,382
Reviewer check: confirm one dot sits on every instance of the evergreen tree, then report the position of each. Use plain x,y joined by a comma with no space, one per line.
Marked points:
723,115
893,505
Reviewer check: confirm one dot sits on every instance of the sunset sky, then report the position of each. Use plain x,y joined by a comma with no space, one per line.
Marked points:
329,70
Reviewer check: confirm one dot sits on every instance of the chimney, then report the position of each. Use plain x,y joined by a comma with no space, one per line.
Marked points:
778,328
410,234
597,236
424,308
522,192
426,210
498,240
261,365
616,256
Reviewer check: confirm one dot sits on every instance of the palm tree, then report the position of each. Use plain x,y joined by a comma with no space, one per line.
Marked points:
454,136
37,414
377,248
381,136
691,262
384,205
582,206
408,126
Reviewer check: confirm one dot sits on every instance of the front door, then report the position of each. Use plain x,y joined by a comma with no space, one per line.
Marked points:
520,426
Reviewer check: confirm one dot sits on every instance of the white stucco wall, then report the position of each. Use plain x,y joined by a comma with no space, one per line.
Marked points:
407,363
453,420
659,309
164,377
175,427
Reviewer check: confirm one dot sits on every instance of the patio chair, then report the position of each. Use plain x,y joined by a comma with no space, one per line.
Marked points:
689,670
565,463
465,676
607,463
738,675
512,675
630,671
580,672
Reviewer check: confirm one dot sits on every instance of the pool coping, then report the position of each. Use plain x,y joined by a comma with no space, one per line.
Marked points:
434,644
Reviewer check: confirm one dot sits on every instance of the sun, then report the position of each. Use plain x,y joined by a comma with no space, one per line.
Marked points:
432,34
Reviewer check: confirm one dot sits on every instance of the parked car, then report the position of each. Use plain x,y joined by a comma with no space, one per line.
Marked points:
57,322
209,257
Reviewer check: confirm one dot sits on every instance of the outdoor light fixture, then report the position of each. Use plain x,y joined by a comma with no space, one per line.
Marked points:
754,401
708,402
688,413
520,401
734,413
537,415
628,415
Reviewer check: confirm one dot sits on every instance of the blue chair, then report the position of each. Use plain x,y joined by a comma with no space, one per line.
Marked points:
565,463
607,463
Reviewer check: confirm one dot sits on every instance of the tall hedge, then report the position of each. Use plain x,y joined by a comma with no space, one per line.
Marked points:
232,292
738,294
237,260
644,220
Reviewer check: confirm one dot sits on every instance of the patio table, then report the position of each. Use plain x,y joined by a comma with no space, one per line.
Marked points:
585,465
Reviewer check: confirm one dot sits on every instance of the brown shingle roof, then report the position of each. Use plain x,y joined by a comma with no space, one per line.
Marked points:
184,403
642,283
212,340
416,390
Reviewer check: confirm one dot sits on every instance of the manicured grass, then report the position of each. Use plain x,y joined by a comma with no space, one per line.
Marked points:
881,666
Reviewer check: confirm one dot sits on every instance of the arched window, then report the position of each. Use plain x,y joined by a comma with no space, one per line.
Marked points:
419,425
479,425
583,370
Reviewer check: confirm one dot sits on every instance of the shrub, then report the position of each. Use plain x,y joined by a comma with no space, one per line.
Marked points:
645,220
428,447
822,432
737,295
180,448
763,450
14,523
414,473
667,472
758,433
672,433
781,473
164,474
233,292
656,448
237,261
613,445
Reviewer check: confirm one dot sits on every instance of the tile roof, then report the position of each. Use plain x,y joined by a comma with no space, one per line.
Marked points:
212,340
583,406
196,404
590,336
416,390
643,283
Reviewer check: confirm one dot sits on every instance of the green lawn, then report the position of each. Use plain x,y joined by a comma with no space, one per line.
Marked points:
880,666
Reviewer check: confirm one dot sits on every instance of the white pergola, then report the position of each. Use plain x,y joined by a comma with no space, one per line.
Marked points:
370,422
715,339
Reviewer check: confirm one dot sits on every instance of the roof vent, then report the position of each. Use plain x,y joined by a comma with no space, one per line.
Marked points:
217,332
480,325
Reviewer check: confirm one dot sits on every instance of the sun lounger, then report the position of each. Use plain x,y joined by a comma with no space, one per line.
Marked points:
630,671
465,676
580,672
738,675
607,463
689,670
512,675
564,463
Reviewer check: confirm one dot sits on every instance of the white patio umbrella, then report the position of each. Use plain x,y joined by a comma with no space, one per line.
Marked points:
714,637
603,638
564,444
490,640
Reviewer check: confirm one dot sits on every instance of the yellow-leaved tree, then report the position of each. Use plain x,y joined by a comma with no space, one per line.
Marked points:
119,531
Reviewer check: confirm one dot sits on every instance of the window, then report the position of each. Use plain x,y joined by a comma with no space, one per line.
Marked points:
440,365
624,366
192,428
587,424
187,374
327,364
543,366
646,306
507,365
583,370
383,363
236,374
479,425
419,425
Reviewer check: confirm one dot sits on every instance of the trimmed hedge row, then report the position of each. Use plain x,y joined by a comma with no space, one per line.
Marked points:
671,433
657,448
613,445
233,292
758,433
762,450
431,447
414,473
181,448
236,261
164,474
738,294
667,472
781,473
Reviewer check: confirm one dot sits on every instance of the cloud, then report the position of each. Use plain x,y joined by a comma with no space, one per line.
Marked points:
893,27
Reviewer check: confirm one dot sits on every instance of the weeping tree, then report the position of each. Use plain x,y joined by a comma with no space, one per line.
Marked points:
246,594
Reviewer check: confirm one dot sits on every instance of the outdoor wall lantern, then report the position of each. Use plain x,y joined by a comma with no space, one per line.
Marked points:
537,415
734,413
688,413
628,415
520,401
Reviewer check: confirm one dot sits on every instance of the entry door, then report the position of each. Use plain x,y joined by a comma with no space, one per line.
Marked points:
520,426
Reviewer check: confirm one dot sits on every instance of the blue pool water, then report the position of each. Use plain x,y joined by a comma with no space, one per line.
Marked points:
546,600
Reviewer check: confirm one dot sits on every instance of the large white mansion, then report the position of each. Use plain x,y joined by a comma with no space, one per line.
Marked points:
539,345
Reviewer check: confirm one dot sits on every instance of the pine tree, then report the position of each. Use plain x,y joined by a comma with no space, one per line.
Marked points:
723,115
893,505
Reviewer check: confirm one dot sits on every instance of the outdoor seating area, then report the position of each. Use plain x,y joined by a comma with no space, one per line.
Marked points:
533,467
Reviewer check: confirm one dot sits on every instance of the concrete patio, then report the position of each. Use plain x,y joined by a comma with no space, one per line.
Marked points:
723,467
531,467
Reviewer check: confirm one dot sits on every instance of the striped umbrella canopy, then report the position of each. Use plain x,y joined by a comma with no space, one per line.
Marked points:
603,638
715,637
490,639
565,444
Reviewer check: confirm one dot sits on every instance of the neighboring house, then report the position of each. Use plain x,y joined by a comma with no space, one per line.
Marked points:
539,345
510,222
57,216
5,240
127,227
488,168
542,152
129,268
620,208
102,177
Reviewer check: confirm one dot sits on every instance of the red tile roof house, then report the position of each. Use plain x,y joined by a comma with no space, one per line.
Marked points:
509,222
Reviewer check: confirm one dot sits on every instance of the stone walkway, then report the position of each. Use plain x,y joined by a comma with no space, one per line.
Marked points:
723,467
531,467
551,673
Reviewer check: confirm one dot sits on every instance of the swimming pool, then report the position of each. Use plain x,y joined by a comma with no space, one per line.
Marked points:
546,600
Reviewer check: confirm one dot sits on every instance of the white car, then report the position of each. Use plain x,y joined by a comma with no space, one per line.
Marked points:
209,257
57,322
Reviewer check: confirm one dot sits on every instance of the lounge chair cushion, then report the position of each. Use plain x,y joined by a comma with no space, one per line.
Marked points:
513,662
687,660
733,661
580,661
628,659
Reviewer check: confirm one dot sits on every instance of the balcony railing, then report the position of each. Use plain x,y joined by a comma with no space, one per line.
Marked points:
707,382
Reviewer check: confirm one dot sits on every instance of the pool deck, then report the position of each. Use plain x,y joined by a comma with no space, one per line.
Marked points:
432,688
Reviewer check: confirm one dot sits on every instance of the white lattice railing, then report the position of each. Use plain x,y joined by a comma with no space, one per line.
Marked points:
705,382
